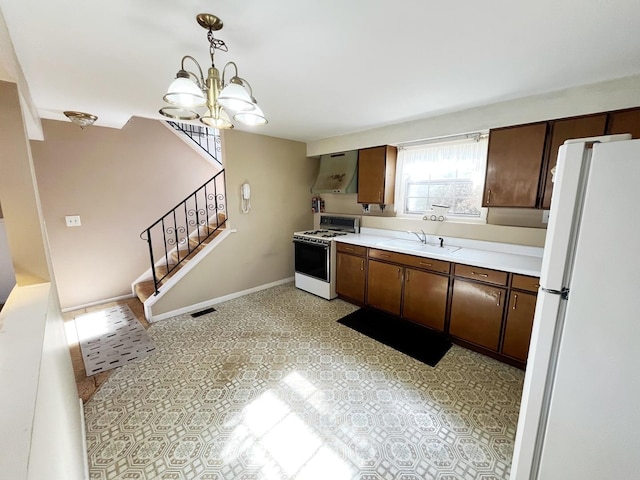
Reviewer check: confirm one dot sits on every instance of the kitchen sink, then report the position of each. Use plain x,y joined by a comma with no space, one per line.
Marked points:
415,245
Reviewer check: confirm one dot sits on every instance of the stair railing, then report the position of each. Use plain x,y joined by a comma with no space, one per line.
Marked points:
180,231
205,138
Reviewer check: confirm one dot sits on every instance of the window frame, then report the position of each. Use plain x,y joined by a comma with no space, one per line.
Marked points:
401,185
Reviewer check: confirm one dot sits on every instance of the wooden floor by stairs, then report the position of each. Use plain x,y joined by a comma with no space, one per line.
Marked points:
146,288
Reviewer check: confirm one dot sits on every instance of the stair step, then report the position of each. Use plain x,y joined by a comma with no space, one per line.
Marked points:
204,229
185,255
146,289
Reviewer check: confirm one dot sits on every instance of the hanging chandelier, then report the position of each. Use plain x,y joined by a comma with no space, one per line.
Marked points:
224,100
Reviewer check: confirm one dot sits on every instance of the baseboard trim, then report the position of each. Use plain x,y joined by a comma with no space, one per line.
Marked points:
208,303
99,302
84,439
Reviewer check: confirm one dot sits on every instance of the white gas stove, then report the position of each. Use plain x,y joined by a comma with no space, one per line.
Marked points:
315,254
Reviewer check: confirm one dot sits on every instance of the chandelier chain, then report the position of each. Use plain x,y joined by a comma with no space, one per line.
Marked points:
215,44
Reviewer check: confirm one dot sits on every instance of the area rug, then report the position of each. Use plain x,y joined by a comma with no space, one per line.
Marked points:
111,338
406,337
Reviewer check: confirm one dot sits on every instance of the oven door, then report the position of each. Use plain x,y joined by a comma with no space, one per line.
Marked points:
312,259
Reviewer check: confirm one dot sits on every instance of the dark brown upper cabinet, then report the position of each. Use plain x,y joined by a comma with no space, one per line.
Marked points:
520,158
514,161
377,175
624,121
562,130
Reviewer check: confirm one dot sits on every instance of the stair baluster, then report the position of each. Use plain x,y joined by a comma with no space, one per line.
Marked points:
190,224
204,137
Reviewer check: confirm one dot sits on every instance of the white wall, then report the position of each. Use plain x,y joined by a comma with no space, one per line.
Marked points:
57,441
7,275
41,430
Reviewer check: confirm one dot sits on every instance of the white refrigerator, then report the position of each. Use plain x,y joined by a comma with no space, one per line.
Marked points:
580,411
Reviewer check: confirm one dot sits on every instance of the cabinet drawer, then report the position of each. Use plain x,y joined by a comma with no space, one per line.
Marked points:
429,264
352,249
523,282
388,256
481,274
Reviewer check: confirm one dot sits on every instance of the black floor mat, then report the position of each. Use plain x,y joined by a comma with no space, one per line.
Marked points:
406,337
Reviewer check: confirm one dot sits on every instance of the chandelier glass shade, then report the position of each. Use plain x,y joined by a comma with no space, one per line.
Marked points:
184,92
253,117
221,100
234,97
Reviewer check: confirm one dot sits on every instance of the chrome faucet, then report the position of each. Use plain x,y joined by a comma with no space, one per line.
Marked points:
421,236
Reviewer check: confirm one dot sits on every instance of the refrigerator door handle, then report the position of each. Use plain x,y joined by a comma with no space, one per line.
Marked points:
564,293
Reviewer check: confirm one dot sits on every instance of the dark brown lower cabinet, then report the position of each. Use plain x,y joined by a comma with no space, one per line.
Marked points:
384,286
425,298
517,332
351,276
476,313
483,309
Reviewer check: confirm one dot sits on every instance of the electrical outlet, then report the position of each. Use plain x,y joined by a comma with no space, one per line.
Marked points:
72,220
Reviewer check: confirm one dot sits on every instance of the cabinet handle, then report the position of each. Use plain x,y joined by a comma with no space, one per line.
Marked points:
536,286
399,273
349,248
515,301
362,265
407,276
499,297
379,196
426,264
488,196
483,275
384,256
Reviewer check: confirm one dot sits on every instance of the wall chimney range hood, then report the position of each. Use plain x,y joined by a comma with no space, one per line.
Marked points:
337,174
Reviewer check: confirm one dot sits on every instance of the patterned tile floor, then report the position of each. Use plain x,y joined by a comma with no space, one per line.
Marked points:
271,387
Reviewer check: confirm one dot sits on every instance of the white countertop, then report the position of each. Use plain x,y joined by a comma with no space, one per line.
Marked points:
497,256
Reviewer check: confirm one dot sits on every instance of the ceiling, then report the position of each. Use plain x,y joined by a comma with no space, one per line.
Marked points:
321,68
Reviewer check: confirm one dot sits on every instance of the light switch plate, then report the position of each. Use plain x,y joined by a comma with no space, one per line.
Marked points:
72,220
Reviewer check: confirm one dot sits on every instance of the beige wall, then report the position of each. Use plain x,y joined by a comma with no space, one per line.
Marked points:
599,97
261,251
119,182
492,233
19,193
605,96
526,232
43,434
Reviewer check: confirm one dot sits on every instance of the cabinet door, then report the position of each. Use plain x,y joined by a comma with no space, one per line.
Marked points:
625,121
514,163
562,130
376,175
425,298
350,276
517,332
476,313
384,286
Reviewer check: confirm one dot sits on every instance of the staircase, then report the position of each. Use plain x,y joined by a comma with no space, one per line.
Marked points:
188,232
175,260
